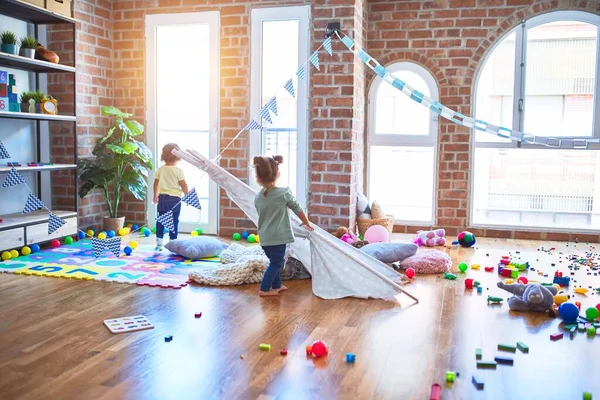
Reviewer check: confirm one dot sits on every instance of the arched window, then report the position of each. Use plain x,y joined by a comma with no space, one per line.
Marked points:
402,138
540,79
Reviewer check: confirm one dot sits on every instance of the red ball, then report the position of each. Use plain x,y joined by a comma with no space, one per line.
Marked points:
55,243
523,280
319,349
410,273
598,306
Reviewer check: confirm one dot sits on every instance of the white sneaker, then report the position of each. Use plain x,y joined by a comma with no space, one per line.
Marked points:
158,248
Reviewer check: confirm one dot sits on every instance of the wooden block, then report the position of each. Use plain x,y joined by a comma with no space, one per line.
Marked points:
478,354
3,77
14,107
487,364
477,382
523,347
12,89
3,90
4,104
504,360
506,347
556,336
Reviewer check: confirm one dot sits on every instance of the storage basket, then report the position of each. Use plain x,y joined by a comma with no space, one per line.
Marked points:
364,224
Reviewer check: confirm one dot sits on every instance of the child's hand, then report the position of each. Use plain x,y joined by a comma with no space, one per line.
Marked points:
308,226
155,199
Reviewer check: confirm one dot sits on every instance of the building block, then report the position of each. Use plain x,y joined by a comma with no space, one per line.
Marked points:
12,89
3,90
264,347
4,104
479,289
492,299
14,107
451,376
309,350
504,360
489,269
3,77
477,382
487,364
11,79
478,354
283,352
168,338
514,273
587,396
509,281
572,332
197,315
350,358
507,347
436,392
556,336
475,266
523,347
13,98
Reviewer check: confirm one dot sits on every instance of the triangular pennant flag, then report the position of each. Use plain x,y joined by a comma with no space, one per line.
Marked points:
191,199
32,203
166,220
289,86
301,74
314,60
3,151
13,178
264,113
252,125
54,223
272,104
98,245
114,245
327,45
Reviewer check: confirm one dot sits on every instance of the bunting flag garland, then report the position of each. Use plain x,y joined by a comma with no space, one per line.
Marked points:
54,223
191,199
252,126
113,245
166,220
272,104
32,204
314,60
264,113
327,45
301,74
289,86
13,178
3,152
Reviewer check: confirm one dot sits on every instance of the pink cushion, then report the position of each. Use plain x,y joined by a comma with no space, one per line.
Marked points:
428,262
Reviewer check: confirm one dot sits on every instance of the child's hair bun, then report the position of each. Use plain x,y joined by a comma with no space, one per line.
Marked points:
278,158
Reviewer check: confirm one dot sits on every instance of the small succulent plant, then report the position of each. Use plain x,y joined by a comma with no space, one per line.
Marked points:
37,96
28,42
8,37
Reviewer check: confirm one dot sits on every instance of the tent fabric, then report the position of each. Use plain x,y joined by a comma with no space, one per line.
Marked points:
338,270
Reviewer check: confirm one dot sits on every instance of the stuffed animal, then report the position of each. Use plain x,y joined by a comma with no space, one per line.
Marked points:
530,297
430,238
346,235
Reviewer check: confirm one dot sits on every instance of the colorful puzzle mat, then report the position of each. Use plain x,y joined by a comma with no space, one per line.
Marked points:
144,267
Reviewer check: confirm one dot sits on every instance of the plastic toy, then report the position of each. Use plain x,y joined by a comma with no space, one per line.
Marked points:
469,283
507,347
147,232
199,231
26,250
68,240
451,376
135,227
495,300
251,238
466,239
487,364
377,234
591,313
194,233
198,315
430,238
580,290
531,297
475,266
436,392
245,235
568,312
35,248
283,352
122,232
168,338
560,279
578,304
154,230
90,232
102,235
133,244
6,256
479,289
320,349
256,239
410,273
509,281
477,382
560,298
504,360
14,254
264,347
350,358
309,350
556,336
591,331
349,237
478,354
523,347
523,280
237,236
463,267
448,275
55,243
587,396
110,233
127,250
241,356
81,235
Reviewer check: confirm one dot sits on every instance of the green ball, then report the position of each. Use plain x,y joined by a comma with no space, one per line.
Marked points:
237,236
154,230
68,240
463,267
591,313
251,238
199,231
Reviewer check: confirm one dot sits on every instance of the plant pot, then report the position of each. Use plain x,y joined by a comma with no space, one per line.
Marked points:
25,107
9,48
113,224
29,53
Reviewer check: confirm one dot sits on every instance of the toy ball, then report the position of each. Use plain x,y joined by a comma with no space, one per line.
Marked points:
256,239
598,307
194,233
245,235
147,232
6,256
90,232
122,232
319,349
568,312
523,280
410,273
251,238
110,233
55,243
463,267
143,230
80,235
199,231
466,239
102,235
14,253
135,227
35,248
68,240
377,234
128,250
237,236
591,313
133,244
154,230
26,251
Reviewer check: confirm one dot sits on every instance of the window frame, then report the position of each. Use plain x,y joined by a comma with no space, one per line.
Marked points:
394,140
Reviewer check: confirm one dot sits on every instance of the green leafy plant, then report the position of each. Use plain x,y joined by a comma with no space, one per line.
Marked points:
37,96
28,42
121,162
8,37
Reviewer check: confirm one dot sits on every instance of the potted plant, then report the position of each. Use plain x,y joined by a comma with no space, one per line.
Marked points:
9,42
28,46
37,97
120,164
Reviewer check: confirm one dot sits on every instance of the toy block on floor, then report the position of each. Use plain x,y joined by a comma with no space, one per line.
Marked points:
556,336
128,324
523,347
504,360
477,382
487,364
506,347
478,354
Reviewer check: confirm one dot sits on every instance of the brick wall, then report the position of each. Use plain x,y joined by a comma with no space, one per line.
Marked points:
450,39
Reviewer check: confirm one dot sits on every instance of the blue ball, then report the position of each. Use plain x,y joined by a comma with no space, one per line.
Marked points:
81,235
568,312
111,233
128,250
35,248
135,227
245,235
147,232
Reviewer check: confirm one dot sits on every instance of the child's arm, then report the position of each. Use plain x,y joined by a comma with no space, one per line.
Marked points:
293,205
184,186
155,191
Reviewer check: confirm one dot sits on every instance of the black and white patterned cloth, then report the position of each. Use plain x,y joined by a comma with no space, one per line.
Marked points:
289,86
272,104
166,220
112,244
191,199
54,223
32,204
3,151
13,178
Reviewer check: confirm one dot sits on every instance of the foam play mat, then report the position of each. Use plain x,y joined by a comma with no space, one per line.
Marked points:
144,267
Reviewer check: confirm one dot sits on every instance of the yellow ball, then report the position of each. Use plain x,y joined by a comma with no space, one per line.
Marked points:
133,244
256,239
194,233
102,235
26,251
14,253
121,232
90,233
6,256
129,225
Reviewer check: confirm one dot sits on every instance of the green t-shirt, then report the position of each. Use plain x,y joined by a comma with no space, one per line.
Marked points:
274,227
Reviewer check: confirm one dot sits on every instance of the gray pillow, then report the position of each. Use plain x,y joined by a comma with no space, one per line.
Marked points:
196,247
390,252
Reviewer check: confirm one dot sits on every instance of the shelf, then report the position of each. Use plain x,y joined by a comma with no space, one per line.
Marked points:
35,217
29,64
31,13
36,117
25,168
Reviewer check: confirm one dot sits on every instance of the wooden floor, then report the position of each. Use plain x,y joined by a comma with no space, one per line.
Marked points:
53,344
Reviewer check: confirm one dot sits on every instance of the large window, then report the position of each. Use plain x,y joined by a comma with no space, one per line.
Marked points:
541,79
402,146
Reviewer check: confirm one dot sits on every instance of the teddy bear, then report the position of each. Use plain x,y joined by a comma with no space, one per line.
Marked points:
530,297
346,235
430,238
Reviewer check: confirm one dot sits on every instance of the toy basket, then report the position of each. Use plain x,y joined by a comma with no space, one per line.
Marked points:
364,224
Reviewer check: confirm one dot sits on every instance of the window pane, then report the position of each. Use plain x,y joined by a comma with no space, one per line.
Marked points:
397,114
408,196
560,79
495,87
537,188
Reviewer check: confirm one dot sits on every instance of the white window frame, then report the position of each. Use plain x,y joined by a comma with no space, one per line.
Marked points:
256,141
430,140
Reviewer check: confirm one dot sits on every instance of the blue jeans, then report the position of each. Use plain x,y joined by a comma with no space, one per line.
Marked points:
272,278
166,204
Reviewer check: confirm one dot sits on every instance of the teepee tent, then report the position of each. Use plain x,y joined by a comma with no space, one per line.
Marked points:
338,270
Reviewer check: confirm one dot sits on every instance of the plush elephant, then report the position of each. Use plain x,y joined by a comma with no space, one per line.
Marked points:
530,297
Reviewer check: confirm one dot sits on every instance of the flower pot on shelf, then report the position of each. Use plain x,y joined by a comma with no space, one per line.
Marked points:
113,224
9,48
25,107
29,53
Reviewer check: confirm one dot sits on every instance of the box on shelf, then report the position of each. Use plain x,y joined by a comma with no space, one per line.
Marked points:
39,3
3,90
60,7
4,104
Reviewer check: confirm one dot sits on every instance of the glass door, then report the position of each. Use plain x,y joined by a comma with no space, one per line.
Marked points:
182,102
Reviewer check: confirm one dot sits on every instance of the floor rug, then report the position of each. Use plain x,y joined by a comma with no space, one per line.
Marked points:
144,267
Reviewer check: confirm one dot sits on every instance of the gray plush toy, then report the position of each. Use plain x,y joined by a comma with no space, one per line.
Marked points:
530,297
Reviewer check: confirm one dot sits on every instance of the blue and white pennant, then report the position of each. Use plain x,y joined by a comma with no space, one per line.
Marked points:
3,152
264,113
314,60
32,204
272,104
327,46
166,220
289,86
112,244
54,223
191,199
252,126
13,178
